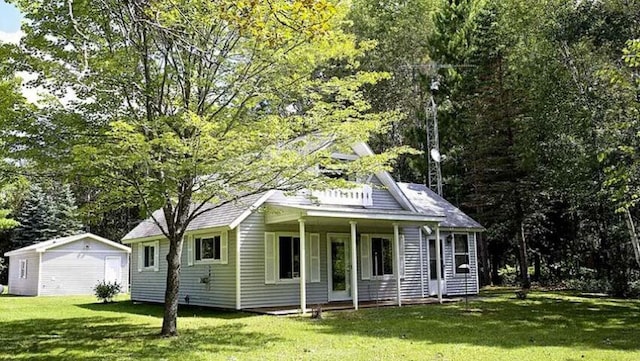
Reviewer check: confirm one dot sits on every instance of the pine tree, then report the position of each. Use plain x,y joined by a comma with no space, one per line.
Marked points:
46,215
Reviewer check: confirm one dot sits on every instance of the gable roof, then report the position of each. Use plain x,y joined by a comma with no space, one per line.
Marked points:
427,201
227,215
56,242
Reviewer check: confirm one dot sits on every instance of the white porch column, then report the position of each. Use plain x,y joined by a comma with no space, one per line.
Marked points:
354,265
438,263
396,259
303,269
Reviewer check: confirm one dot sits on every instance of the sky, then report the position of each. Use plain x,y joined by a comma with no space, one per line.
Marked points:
9,18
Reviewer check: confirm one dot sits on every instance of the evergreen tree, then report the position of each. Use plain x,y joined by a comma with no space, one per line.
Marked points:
45,214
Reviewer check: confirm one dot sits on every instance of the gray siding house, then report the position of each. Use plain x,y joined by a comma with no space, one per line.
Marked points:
67,266
381,240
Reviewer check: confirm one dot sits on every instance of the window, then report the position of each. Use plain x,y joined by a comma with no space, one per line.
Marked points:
148,259
149,256
289,257
461,253
382,256
208,249
23,268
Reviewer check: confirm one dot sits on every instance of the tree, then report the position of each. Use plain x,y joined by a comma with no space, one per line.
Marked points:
187,105
46,213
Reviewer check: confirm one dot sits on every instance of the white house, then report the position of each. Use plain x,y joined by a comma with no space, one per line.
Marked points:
382,240
70,265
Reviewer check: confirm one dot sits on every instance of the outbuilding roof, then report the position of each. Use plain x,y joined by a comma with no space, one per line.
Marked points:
429,202
56,242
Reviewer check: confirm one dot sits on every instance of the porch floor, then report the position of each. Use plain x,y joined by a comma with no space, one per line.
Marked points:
348,305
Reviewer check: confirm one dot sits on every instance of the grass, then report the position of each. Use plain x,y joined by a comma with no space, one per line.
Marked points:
546,326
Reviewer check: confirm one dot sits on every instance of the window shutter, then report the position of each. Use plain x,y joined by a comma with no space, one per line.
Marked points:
365,256
307,247
314,252
269,258
402,258
140,256
26,268
156,256
189,250
224,247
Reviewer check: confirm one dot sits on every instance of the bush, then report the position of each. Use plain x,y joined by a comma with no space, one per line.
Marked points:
508,275
106,291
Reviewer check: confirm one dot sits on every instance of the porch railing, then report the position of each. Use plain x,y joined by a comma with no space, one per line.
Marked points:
358,196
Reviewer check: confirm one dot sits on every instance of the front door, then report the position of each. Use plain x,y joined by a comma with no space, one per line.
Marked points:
433,276
339,267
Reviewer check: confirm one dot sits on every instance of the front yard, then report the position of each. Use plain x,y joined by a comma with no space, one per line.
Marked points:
547,326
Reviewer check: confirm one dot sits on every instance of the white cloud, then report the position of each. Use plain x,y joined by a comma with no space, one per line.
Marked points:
13,38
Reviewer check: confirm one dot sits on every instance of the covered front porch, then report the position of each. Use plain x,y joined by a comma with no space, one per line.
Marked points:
365,250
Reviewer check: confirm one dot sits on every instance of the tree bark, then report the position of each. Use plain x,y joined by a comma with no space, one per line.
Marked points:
537,267
635,242
525,282
170,319
485,267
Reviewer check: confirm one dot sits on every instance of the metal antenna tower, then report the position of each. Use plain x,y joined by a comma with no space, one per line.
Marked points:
433,141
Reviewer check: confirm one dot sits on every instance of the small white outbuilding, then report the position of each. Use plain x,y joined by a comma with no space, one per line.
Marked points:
70,265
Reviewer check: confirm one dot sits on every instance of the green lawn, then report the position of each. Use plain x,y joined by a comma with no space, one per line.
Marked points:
547,326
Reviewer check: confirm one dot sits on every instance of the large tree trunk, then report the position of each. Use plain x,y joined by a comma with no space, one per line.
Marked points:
537,266
170,319
524,262
635,242
485,267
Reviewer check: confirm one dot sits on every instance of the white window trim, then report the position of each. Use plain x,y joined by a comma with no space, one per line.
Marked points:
23,266
391,276
207,260
277,240
453,252
156,255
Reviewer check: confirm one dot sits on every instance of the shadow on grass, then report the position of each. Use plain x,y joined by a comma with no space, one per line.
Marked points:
157,310
107,338
541,320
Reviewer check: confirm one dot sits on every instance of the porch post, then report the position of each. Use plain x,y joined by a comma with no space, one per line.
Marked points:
354,265
396,254
438,263
303,269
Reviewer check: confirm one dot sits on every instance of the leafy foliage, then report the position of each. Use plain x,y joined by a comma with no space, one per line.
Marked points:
106,291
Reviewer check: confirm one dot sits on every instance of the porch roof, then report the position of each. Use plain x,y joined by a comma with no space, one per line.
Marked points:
282,213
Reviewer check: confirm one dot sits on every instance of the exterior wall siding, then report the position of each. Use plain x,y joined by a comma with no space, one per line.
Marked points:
381,197
76,273
24,286
255,293
455,283
149,285
85,244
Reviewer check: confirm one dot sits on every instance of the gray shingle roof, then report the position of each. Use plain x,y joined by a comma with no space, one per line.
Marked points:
219,217
427,201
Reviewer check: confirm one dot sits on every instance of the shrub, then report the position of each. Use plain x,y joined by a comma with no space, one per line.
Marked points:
106,291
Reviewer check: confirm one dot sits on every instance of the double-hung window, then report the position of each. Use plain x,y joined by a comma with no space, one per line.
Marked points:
289,257
150,255
208,248
381,256
461,253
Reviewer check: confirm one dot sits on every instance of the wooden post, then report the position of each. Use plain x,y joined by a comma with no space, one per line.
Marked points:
439,263
354,265
396,254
